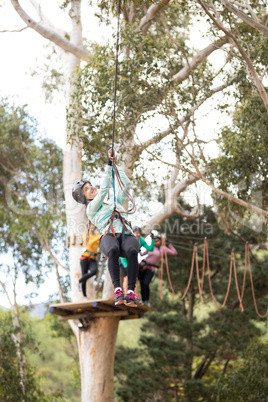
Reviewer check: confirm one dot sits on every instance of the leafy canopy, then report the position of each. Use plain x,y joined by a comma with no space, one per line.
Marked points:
31,196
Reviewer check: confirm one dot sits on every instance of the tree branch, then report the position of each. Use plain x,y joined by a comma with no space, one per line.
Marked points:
172,206
243,53
50,33
199,58
46,246
15,30
62,298
264,72
157,138
151,12
244,17
6,293
16,173
199,176
232,198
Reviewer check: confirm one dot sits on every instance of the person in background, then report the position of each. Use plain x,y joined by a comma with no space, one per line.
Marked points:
148,266
91,243
143,243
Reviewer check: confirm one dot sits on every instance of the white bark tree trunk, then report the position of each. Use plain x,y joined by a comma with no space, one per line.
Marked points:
96,344
72,166
97,351
171,205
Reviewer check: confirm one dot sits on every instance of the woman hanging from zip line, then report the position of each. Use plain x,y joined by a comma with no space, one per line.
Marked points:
91,242
117,238
148,266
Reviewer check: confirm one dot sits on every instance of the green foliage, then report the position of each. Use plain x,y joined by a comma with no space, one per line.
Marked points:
145,90
57,361
31,196
184,350
159,366
237,163
137,366
32,361
17,377
246,379
242,167
112,5
129,332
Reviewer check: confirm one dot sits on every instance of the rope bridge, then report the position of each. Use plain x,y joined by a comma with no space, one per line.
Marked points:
200,282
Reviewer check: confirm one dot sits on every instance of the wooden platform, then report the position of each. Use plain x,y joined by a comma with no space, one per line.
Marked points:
96,308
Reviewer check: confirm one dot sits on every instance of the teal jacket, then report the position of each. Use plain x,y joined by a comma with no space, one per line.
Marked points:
99,212
144,244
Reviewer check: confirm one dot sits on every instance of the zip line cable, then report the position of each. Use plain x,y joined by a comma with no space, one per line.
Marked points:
182,246
201,239
177,245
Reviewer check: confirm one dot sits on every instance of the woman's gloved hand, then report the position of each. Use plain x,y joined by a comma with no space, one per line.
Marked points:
111,156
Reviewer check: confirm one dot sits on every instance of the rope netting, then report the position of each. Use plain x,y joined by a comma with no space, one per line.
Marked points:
200,282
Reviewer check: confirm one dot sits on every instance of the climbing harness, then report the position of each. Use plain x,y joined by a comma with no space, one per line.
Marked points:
116,215
145,264
90,252
82,258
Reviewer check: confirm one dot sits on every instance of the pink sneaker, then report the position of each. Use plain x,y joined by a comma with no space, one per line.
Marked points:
131,299
119,297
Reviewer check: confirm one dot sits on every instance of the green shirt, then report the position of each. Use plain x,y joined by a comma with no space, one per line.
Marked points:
143,243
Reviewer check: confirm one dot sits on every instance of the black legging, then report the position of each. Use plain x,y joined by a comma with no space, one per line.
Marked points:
115,247
145,278
89,269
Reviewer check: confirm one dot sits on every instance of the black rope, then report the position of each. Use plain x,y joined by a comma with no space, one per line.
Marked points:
116,73
131,210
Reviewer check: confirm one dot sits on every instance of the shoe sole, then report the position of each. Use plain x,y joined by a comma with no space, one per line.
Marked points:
131,304
119,302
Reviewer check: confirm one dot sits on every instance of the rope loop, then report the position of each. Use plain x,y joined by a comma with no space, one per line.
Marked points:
247,257
201,283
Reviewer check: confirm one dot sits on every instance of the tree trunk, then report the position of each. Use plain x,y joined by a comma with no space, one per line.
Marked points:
96,343
72,166
189,343
97,351
18,338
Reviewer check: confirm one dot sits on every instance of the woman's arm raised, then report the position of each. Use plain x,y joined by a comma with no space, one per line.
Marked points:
95,204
